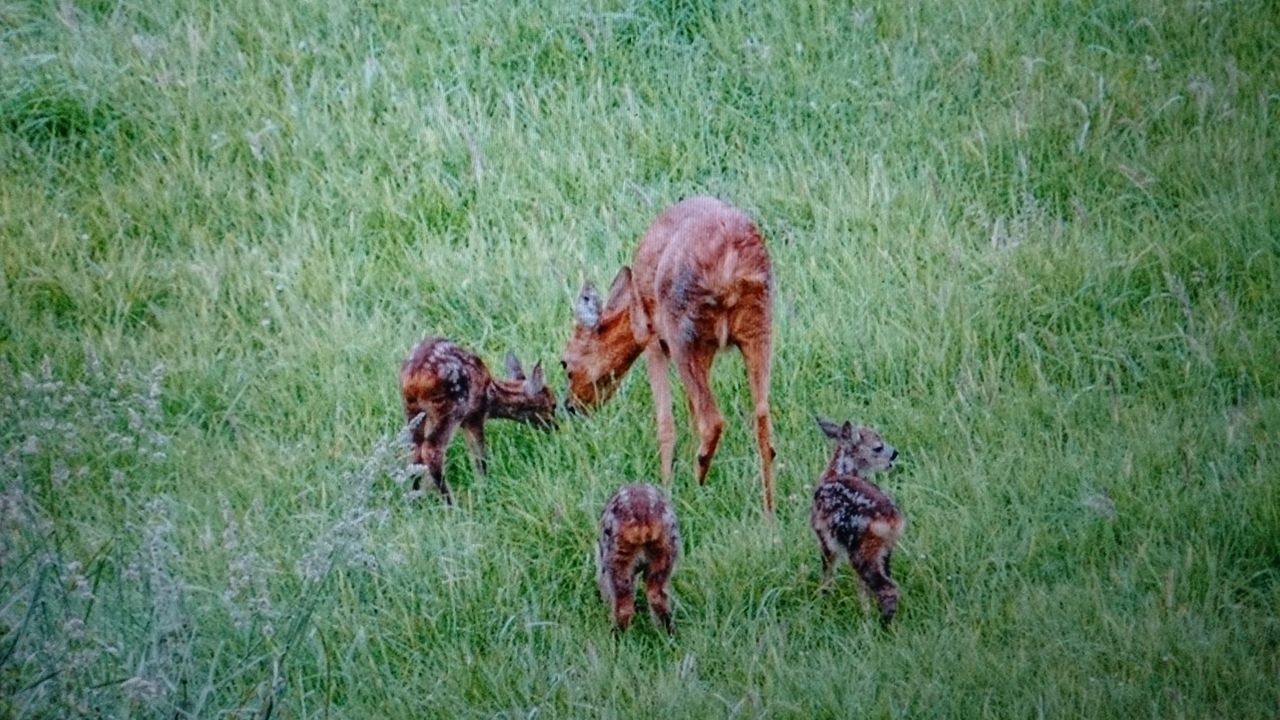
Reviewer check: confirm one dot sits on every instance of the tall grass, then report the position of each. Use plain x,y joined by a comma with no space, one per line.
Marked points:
1035,244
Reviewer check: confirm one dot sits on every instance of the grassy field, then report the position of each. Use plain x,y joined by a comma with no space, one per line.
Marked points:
1036,244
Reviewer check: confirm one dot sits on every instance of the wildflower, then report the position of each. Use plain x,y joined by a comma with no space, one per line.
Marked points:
74,628
1100,504
142,690
132,572
77,582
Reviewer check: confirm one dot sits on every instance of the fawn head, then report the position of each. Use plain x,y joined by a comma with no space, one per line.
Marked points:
859,450
607,338
523,398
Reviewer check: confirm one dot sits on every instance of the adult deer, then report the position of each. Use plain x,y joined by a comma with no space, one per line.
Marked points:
701,281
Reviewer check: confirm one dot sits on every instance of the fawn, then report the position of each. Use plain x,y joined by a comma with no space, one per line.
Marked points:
853,517
449,386
638,534
701,281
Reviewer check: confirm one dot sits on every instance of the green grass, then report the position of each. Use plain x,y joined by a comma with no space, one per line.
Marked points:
1036,244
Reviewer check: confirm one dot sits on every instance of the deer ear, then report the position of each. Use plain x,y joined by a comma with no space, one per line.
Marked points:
831,429
619,290
586,309
848,430
514,371
641,327
536,381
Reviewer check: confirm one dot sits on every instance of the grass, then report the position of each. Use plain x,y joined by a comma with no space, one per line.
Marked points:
1036,244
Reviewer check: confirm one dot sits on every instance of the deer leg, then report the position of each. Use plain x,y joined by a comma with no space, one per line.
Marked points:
660,385
604,577
828,563
431,454
873,571
694,365
755,355
473,431
417,422
624,601
655,585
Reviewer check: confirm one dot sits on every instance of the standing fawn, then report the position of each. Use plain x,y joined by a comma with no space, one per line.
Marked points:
701,281
853,517
449,387
638,534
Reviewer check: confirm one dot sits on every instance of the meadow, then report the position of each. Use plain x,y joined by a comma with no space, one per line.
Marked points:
1036,244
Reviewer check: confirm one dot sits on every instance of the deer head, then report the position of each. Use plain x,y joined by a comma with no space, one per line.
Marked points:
607,338
521,397
859,450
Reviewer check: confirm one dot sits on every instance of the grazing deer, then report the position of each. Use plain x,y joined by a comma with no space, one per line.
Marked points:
701,281
853,517
638,534
449,386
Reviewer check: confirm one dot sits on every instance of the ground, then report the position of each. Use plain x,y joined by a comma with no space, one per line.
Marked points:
1035,244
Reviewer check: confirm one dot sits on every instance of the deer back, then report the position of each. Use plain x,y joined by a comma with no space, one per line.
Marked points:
443,380
637,520
703,275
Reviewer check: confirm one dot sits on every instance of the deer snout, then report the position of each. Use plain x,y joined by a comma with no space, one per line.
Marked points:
894,456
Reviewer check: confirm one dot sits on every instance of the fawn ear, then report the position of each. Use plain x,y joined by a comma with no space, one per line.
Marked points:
536,381
586,309
848,430
831,429
514,371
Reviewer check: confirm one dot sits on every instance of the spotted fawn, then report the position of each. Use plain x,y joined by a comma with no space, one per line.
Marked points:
451,387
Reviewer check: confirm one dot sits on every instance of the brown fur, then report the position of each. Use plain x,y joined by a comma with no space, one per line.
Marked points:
451,387
638,534
701,281
853,517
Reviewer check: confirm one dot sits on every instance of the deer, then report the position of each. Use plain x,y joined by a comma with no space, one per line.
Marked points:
446,387
853,517
701,281
638,535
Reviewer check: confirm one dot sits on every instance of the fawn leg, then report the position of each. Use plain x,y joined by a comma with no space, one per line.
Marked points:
432,455
874,573
473,431
418,431
604,579
655,585
660,385
694,364
755,355
828,563
624,601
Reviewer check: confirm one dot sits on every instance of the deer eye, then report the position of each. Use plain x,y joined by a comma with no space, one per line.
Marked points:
878,448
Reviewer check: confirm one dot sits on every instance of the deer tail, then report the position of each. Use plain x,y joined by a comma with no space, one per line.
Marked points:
890,528
640,534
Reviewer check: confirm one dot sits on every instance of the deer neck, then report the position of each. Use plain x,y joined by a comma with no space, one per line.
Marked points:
620,346
507,400
841,467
